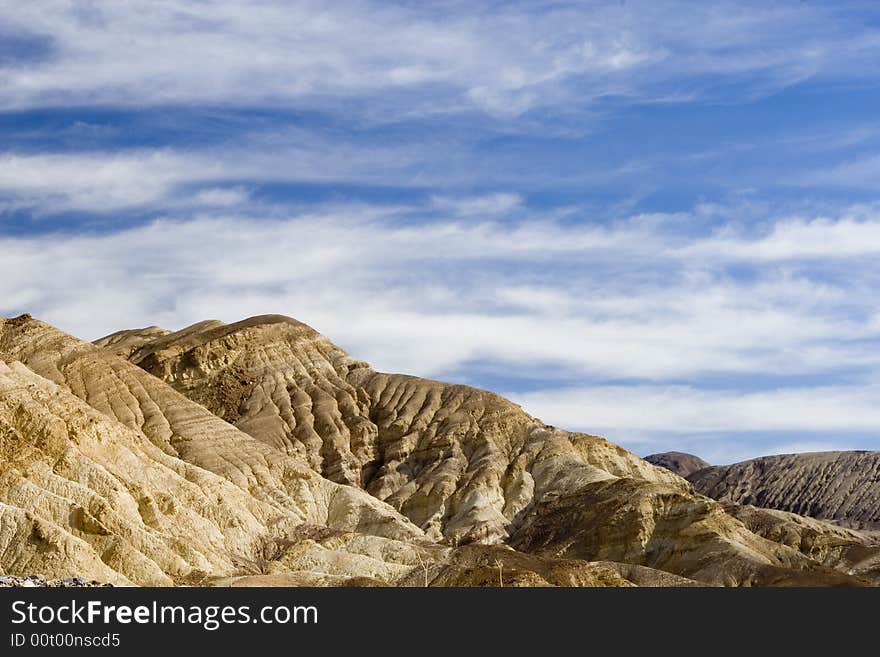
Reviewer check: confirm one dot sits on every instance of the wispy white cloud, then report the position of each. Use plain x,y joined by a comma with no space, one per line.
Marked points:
222,196
95,181
500,59
490,205
620,410
239,52
722,426
101,181
855,234
585,300
860,172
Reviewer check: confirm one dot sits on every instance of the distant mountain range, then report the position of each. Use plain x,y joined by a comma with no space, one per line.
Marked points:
839,486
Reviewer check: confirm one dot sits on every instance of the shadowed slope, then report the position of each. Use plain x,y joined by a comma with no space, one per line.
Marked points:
839,486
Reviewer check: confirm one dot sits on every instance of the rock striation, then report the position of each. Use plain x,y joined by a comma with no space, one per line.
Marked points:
839,486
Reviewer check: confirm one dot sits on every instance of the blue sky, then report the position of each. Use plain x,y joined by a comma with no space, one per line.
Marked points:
658,222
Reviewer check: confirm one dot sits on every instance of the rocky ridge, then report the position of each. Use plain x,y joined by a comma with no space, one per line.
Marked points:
680,463
843,487
839,486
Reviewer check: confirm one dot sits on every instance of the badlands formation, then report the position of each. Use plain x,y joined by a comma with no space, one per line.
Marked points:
259,453
839,486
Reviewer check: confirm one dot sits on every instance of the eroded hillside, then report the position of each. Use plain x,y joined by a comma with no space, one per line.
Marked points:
839,486
260,453
464,465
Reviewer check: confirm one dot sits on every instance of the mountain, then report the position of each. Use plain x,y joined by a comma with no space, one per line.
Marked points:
259,453
839,486
843,487
680,463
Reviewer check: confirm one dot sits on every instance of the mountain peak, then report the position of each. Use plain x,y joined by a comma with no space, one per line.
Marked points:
681,463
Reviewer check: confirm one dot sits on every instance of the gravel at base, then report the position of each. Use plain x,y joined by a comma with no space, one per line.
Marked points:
29,581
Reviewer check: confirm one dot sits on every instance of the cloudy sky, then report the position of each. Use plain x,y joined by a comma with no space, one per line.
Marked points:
659,222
